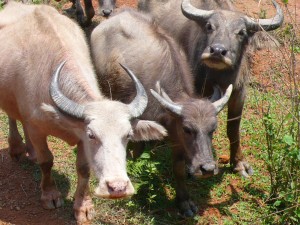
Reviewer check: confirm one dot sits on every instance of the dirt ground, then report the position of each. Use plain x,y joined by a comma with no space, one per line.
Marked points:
20,193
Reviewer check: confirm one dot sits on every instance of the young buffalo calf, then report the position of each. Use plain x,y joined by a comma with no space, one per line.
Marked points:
133,39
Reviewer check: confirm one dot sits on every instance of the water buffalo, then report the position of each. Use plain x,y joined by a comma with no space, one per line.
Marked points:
135,40
215,38
105,9
48,83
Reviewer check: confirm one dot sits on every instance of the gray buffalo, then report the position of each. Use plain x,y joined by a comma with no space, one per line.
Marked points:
84,17
215,38
48,84
135,40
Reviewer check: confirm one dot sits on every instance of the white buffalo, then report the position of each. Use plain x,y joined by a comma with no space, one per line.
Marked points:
48,83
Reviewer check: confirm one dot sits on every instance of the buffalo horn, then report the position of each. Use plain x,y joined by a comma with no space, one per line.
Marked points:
194,13
161,92
139,103
219,105
63,103
170,105
267,24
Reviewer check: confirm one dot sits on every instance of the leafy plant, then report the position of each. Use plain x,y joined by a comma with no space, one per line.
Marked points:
1,4
281,119
148,179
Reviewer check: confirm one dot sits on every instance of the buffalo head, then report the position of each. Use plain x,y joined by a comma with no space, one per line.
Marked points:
105,127
227,33
195,122
106,7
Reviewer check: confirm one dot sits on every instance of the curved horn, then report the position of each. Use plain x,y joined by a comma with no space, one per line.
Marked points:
161,92
194,13
267,24
173,107
139,103
63,103
219,105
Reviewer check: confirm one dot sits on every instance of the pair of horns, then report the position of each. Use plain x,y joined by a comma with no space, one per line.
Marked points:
75,110
167,103
252,24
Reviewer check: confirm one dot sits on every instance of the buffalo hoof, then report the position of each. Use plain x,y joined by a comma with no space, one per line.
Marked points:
188,208
16,152
51,199
244,169
84,210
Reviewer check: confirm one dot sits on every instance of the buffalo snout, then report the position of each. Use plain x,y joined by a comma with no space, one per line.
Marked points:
204,170
218,50
106,12
217,56
116,188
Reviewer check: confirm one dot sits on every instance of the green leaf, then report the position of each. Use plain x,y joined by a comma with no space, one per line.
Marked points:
293,185
145,155
277,203
288,139
296,49
298,156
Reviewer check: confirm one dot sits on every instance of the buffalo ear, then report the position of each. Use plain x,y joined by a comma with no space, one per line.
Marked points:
146,130
262,40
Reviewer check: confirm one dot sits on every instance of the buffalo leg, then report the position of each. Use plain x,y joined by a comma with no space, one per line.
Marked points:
51,197
186,206
72,10
89,11
235,109
15,141
29,147
79,13
83,205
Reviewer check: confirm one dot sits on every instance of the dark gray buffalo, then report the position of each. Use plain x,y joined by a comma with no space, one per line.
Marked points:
84,17
133,39
215,38
48,83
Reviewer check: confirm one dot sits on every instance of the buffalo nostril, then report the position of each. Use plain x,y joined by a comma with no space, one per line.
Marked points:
218,50
224,52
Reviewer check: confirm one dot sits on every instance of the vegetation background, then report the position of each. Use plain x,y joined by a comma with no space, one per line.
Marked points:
270,139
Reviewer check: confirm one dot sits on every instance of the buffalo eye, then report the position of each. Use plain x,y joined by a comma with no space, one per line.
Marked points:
91,136
187,130
209,27
242,33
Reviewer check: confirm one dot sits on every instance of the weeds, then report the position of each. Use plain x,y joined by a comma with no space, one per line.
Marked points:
148,173
1,4
280,110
